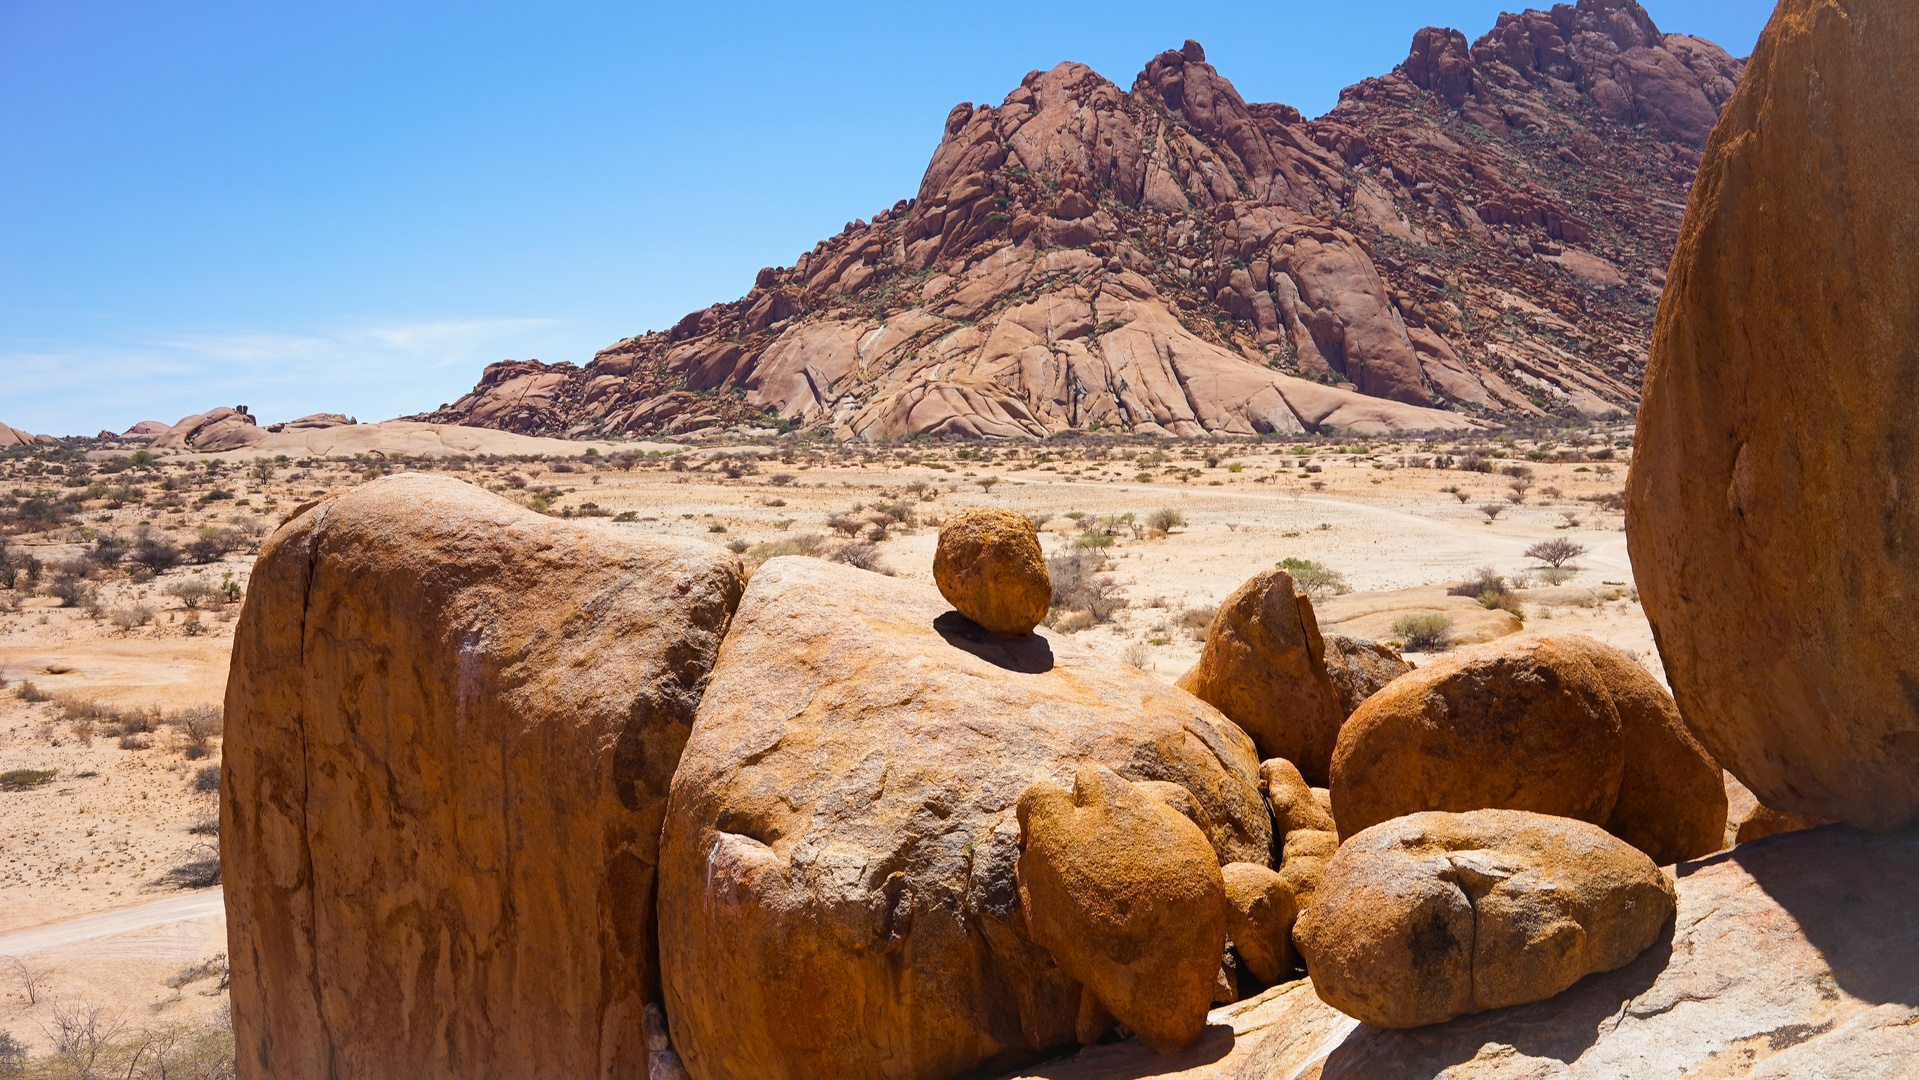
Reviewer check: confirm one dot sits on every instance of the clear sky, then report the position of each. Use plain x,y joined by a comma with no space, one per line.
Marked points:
352,207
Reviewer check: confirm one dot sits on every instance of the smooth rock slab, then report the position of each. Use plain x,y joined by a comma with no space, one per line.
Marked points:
1791,957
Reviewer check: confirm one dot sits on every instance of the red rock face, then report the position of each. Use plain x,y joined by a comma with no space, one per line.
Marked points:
1480,235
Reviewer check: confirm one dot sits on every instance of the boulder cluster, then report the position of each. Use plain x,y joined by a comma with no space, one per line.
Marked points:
512,796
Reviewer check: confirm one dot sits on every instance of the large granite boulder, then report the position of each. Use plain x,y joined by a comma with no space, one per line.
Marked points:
1792,957
1770,508
1672,796
451,723
1523,723
1435,915
838,889
1263,665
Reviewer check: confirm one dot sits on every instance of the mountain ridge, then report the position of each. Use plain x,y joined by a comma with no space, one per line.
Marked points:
1476,237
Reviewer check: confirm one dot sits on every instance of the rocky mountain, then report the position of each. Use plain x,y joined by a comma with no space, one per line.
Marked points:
1479,236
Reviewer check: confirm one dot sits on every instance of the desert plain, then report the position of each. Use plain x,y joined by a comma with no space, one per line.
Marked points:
115,674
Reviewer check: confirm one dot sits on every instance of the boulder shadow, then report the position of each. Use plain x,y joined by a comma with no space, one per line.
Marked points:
1028,654
1129,1059
1852,894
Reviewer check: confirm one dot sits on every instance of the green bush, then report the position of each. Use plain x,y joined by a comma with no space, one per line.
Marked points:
1423,633
1314,578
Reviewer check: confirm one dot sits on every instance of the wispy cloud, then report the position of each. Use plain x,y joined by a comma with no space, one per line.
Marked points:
375,370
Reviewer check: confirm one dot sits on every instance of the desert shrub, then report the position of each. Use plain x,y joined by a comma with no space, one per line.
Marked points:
1491,510
136,742
1197,620
30,693
784,478
1481,581
192,592
13,1055
1079,586
127,618
206,780
845,524
25,779
200,870
69,584
1423,633
1138,655
1093,541
1166,519
863,555
1314,578
155,552
107,550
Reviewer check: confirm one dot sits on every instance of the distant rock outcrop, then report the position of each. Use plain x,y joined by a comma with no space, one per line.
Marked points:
451,723
146,429
1480,233
10,436
1773,523
215,429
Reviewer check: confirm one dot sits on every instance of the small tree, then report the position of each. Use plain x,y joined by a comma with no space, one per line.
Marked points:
1491,510
1556,552
986,483
1166,520
1315,579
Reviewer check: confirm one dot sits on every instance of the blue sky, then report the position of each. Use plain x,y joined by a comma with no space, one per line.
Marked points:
353,207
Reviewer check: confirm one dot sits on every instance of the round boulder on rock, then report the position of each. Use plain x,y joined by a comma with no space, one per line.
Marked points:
1127,896
1521,723
1436,915
1263,665
988,566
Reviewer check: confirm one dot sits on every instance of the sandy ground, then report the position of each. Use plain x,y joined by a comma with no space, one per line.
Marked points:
101,834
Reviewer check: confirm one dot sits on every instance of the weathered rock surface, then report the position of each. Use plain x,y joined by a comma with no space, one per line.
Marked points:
1524,723
1436,915
1302,828
1672,796
1790,957
837,875
1126,894
1263,666
1771,518
989,566
215,429
450,727
1475,233
1360,668
1260,910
